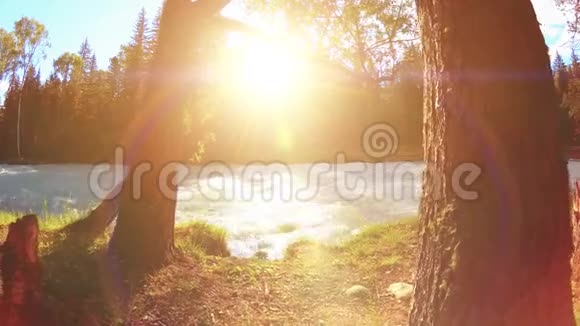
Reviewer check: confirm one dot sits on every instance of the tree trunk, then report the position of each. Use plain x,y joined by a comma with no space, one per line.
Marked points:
143,236
21,303
576,240
503,258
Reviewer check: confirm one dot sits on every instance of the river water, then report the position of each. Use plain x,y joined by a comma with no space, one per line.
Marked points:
263,208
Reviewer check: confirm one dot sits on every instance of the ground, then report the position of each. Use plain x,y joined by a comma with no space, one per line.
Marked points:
205,286
306,288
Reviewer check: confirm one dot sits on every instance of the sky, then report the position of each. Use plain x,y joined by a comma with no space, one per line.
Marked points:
108,24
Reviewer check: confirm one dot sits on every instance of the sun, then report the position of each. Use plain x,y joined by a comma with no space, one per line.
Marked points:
270,67
268,70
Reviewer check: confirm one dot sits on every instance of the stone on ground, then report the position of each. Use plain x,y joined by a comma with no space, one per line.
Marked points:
401,290
358,291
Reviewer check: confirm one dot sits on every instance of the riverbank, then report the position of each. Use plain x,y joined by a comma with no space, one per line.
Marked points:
315,284
329,156
206,286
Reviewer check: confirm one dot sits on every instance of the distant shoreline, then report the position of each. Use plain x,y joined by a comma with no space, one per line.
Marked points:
350,159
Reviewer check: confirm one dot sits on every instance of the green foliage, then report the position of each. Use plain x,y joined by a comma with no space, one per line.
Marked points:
64,118
8,52
80,112
369,36
567,85
67,65
31,40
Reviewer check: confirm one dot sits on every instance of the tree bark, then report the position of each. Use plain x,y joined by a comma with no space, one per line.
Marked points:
21,303
503,258
576,240
143,236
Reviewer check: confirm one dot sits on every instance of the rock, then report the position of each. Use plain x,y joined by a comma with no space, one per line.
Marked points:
262,255
358,291
401,290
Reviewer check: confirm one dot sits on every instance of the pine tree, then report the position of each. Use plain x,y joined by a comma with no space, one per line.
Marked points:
558,64
561,76
136,57
499,255
31,99
574,65
50,119
115,78
86,55
154,40
133,58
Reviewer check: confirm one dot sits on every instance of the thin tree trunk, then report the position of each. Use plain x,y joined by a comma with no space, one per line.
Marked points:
18,123
503,258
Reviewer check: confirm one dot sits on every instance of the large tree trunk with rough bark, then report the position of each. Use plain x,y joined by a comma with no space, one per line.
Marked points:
502,258
143,236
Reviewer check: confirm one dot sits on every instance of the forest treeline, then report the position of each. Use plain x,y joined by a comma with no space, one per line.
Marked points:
78,112
567,82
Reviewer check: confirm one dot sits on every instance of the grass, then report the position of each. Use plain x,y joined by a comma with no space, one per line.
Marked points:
81,285
362,249
209,287
201,238
306,287
80,281
48,221
287,228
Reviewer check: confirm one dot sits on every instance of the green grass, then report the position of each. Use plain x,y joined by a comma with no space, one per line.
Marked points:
199,237
287,228
364,244
380,246
48,222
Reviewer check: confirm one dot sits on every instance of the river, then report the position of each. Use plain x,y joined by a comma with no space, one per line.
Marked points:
263,208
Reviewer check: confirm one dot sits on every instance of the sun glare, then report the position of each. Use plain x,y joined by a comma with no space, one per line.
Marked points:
268,70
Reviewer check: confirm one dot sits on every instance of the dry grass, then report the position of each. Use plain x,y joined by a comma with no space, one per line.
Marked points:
207,287
306,288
